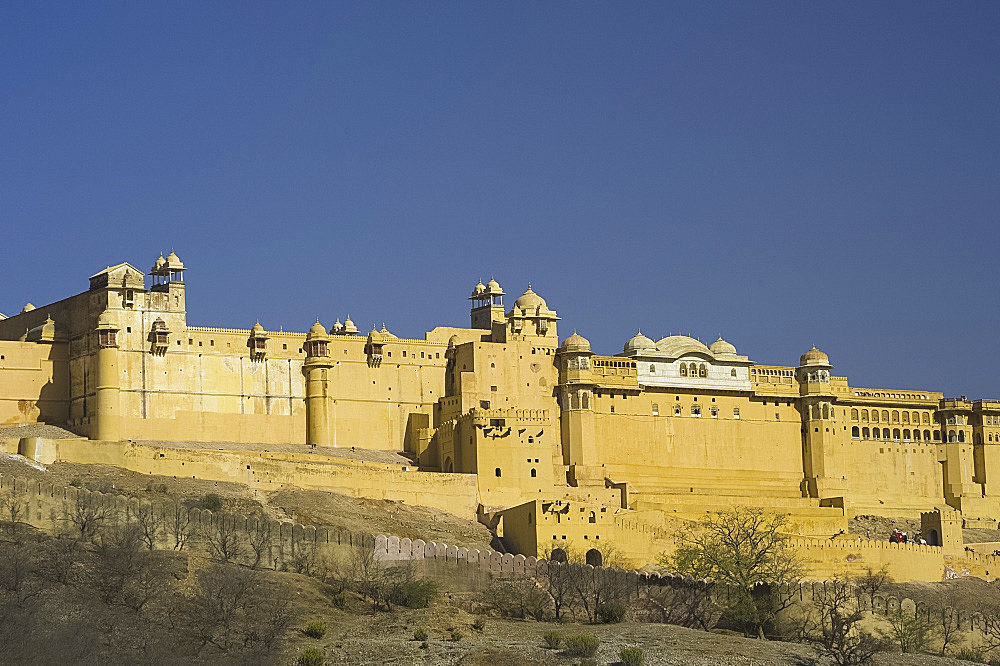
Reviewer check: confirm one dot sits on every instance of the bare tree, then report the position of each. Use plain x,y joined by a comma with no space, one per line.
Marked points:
602,593
259,529
872,582
13,509
60,559
178,525
685,602
949,624
224,537
911,632
85,515
151,522
235,610
518,596
18,574
557,582
745,549
833,625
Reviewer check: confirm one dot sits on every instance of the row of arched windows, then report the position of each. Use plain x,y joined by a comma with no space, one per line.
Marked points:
896,434
885,416
694,370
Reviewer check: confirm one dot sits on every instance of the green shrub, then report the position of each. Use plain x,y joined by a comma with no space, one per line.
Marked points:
423,646
456,635
315,629
340,599
632,656
584,645
416,593
211,501
479,623
611,613
553,640
420,634
76,482
310,657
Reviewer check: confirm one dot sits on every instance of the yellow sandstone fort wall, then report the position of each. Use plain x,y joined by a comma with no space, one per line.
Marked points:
503,412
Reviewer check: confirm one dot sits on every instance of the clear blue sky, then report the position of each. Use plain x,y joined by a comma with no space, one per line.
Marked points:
786,174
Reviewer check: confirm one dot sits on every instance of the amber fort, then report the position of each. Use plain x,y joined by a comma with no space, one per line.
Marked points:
545,440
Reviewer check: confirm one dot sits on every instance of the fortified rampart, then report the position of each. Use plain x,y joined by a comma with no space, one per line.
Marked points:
455,493
49,508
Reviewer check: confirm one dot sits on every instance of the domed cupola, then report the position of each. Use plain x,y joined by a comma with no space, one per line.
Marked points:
638,343
575,343
814,357
531,302
478,290
722,348
349,327
316,341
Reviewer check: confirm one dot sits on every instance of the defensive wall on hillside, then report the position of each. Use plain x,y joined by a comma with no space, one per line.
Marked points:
455,493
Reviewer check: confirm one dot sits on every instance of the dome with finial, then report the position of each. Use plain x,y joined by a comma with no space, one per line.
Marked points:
575,343
639,342
316,330
478,290
337,326
814,357
386,334
174,262
349,327
493,288
257,328
158,264
530,301
374,335
722,347
28,307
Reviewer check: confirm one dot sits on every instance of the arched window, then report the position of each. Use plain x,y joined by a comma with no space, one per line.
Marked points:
736,412
592,518
854,414
533,473
885,433
895,416
885,416
732,373
937,435
864,416
855,433
703,370
927,435
692,369
961,435
927,418
498,472
584,363
916,417
876,433
895,434
906,417
952,436
916,435
906,434
652,369
575,400
865,433
586,399
990,437
874,416
684,370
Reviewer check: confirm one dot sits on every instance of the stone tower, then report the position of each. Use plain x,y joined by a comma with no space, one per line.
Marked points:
317,368
821,446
